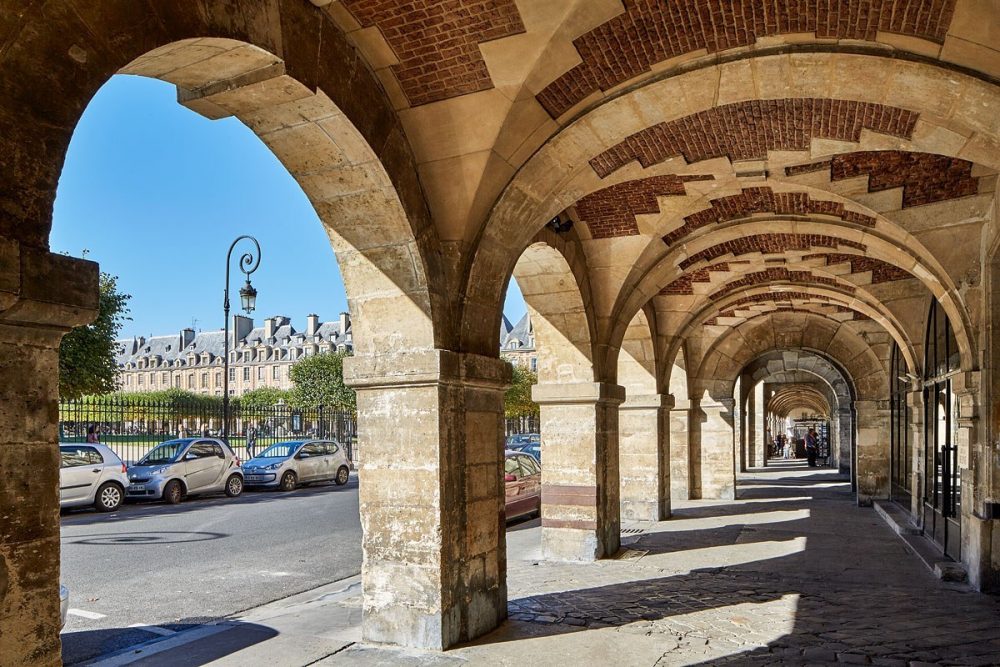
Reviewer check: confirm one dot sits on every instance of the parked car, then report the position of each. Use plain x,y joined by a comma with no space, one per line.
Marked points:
517,440
186,467
91,474
285,465
63,604
523,482
533,448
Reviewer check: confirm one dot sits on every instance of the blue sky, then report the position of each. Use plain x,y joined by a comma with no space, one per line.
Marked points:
156,193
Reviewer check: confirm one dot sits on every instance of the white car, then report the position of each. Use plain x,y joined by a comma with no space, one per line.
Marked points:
91,474
63,604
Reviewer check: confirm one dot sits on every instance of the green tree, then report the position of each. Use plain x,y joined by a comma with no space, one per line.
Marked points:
87,354
263,397
517,399
319,380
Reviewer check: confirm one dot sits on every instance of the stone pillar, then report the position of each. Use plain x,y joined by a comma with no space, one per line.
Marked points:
431,494
756,433
41,296
915,402
845,435
715,469
580,481
680,450
872,450
644,447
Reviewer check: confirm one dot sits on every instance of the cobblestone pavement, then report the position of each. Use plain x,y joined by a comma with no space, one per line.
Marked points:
792,573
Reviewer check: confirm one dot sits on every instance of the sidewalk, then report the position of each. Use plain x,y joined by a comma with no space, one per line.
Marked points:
792,573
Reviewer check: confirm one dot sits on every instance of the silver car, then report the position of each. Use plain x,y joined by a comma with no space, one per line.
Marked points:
287,464
91,474
186,467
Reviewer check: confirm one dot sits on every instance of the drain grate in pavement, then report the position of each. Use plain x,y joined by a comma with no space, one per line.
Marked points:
633,531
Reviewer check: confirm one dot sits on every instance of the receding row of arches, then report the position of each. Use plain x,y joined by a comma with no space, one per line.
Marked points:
795,244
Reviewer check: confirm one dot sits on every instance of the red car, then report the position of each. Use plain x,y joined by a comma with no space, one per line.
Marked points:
523,482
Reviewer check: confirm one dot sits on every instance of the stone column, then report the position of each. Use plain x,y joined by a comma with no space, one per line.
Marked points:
845,434
680,450
644,447
431,494
872,450
41,296
715,468
915,402
756,446
580,481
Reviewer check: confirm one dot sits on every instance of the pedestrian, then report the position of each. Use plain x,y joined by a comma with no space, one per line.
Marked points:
93,434
777,446
789,446
811,448
251,441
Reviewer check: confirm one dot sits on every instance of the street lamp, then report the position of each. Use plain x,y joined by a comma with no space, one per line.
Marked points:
248,300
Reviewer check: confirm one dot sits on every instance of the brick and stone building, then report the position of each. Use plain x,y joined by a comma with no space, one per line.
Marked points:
517,343
720,214
258,356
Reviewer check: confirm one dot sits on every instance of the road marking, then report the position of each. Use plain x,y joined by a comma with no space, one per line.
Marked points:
155,629
92,615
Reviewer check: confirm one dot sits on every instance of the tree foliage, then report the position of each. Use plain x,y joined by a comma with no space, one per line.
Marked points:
87,353
263,397
319,380
517,399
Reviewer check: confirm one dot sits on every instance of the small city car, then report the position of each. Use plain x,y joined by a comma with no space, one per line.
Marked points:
186,467
91,474
285,465
523,482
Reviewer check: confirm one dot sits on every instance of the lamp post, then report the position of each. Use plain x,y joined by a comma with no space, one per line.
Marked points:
248,300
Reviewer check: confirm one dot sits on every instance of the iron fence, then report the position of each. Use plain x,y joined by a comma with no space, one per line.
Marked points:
523,424
131,426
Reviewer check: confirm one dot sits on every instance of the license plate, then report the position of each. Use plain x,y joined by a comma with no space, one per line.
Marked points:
255,478
133,488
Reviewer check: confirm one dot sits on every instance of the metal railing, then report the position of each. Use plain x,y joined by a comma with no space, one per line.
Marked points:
131,425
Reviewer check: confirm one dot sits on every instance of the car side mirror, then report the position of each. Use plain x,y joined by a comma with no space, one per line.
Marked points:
303,456
190,457
510,477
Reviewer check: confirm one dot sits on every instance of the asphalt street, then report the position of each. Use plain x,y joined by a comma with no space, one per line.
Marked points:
150,569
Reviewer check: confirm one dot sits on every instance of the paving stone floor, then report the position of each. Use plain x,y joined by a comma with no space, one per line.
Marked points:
791,573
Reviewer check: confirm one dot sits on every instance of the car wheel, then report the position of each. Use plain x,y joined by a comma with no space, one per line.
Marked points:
109,497
288,481
343,475
234,486
172,492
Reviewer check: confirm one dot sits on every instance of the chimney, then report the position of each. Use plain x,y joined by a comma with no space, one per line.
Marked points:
312,325
241,327
186,338
345,323
269,328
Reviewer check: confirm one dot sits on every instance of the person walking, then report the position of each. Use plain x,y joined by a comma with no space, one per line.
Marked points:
811,448
93,434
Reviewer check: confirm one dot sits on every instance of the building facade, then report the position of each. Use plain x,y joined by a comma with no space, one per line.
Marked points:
258,356
517,343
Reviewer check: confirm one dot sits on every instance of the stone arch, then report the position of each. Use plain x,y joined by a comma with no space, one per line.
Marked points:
559,173
862,367
792,396
300,87
889,244
555,284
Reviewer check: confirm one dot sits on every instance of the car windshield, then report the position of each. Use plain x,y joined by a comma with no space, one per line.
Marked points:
280,450
167,452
